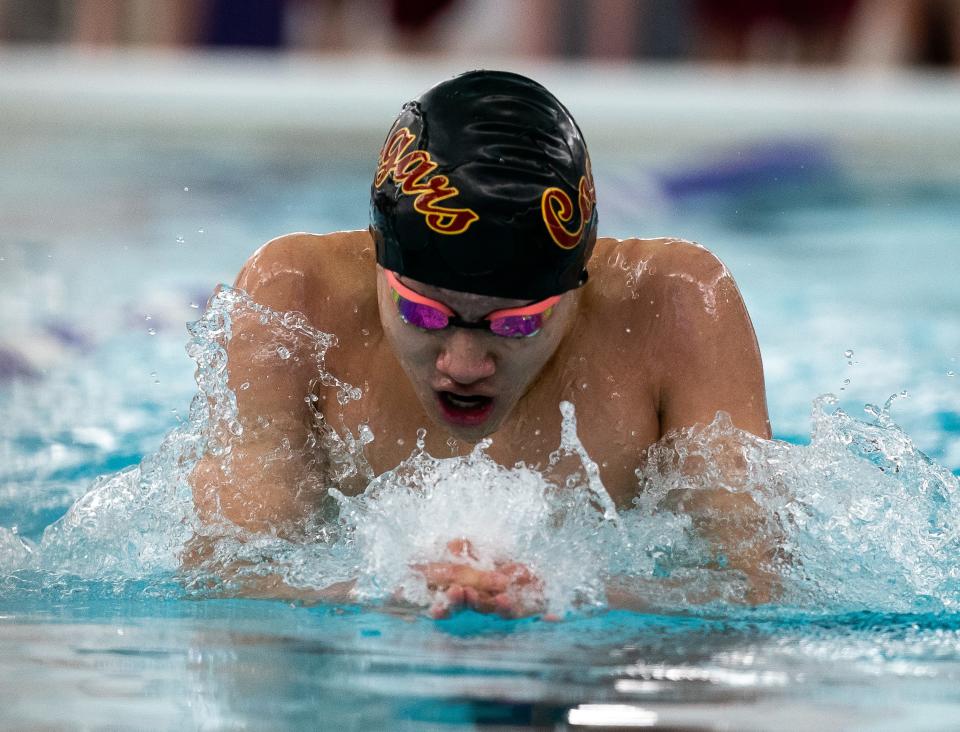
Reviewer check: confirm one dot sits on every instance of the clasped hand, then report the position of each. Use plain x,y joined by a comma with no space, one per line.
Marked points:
509,590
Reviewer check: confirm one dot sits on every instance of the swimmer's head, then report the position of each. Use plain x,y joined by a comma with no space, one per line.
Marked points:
484,186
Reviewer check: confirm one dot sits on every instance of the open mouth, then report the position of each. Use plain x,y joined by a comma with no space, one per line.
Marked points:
464,410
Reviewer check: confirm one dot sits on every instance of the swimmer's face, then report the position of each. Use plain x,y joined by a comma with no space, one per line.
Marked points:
469,380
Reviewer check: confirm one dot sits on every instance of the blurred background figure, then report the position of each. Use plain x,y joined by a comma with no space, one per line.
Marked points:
906,32
773,30
792,32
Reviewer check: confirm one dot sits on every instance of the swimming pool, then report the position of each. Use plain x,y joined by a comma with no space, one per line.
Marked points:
836,217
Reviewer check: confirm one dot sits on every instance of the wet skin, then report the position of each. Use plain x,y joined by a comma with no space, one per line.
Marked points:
657,339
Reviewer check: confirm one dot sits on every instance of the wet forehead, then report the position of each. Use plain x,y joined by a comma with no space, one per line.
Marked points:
466,304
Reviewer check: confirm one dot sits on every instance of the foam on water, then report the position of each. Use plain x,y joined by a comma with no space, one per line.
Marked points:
859,519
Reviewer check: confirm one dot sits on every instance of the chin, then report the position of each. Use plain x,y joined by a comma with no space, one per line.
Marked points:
473,434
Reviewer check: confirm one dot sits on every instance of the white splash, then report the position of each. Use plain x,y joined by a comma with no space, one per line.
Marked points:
857,519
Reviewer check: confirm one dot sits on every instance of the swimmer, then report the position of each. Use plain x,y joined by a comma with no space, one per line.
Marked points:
479,298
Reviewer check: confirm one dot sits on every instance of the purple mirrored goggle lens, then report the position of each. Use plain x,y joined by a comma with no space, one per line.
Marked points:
517,326
419,315
426,317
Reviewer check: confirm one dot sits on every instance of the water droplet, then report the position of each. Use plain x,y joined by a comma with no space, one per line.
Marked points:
283,352
628,330
152,331
195,306
364,331
244,386
186,188
201,231
400,441
583,386
148,317
453,445
153,375
536,433
848,353
951,373
180,240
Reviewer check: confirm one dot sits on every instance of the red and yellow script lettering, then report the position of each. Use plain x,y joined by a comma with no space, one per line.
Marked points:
557,211
413,172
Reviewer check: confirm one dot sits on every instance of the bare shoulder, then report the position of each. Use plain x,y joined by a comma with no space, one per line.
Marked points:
624,268
654,283
310,273
695,333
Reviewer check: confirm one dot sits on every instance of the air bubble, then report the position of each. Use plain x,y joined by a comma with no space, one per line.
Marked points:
283,352
151,331
180,240
186,188
848,353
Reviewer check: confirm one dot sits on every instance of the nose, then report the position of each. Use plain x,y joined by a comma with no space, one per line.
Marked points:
465,358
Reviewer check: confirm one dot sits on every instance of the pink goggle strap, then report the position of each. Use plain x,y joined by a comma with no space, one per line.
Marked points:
407,294
535,308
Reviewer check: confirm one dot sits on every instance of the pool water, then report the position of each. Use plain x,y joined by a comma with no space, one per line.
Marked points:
111,244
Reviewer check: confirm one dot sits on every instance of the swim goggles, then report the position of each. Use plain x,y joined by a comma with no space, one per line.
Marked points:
422,312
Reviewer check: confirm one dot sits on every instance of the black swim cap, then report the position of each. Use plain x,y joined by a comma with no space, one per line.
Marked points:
484,185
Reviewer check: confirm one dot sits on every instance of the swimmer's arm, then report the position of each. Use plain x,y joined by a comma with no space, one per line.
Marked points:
708,352
202,571
272,477
711,362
